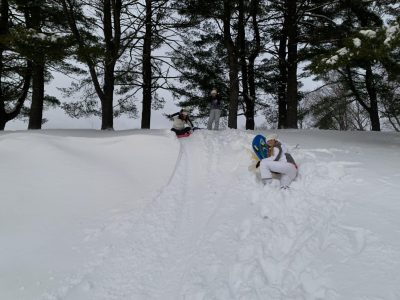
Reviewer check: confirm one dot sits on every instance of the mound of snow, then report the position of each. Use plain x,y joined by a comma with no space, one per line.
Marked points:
142,215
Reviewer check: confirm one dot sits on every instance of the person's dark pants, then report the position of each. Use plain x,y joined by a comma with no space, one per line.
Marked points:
182,131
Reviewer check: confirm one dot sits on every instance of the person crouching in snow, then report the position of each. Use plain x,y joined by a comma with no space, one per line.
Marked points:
278,161
181,122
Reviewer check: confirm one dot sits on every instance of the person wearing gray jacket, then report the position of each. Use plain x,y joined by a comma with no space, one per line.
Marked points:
215,110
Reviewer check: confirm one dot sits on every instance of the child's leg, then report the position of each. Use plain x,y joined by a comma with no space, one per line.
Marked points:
217,116
288,175
182,131
265,169
287,170
211,119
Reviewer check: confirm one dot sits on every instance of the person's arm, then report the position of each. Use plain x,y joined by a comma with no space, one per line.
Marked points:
191,124
276,155
279,155
173,115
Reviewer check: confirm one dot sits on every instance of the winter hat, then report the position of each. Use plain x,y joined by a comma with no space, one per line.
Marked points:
272,136
214,92
184,111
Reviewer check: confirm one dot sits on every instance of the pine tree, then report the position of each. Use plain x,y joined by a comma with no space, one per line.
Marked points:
155,35
358,49
229,37
15,72
100,53
34,34
45,46
122,65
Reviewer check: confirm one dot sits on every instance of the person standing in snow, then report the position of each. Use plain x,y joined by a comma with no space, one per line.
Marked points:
215,109
181,122
278,161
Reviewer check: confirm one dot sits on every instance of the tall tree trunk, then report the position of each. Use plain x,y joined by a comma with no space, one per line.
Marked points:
2,123
112,34
282,80
33,16
233,67
292,62
107,109
36,111
3,32
373,98
146,71
107,118
250,107
3,115
372,109
243,65
233,91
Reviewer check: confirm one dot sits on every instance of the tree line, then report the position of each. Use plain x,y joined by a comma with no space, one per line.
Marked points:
256,53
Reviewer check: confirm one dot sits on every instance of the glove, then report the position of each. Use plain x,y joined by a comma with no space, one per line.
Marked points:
258,163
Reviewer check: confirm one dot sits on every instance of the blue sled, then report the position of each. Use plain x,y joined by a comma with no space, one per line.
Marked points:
260,146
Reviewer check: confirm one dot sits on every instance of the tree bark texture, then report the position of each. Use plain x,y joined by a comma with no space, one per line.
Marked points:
233,67
146,68
292,64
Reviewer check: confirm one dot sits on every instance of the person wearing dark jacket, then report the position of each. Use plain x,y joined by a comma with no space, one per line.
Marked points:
215,110
181,122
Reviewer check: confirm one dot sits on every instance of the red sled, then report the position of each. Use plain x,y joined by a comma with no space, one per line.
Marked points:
183,135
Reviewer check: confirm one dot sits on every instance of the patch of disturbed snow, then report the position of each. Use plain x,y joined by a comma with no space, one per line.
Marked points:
214,232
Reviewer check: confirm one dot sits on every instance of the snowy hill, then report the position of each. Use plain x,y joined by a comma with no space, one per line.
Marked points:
142,215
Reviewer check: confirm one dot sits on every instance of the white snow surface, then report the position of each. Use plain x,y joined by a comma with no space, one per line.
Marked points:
368,33
391,33
357,42
342,51
333,60
142,215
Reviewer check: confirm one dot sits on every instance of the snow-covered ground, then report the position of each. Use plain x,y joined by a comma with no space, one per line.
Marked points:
141,215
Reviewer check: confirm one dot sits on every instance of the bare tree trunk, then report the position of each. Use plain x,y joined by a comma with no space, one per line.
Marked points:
243,64
33,18
373,99
282,81
3,32
3,115
233,67
292,62
36,111
107,112
107,109
146,71
250,107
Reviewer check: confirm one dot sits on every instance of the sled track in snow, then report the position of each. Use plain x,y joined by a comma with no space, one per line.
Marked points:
214,232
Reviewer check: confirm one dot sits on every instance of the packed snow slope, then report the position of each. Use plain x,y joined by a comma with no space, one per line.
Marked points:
142,215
